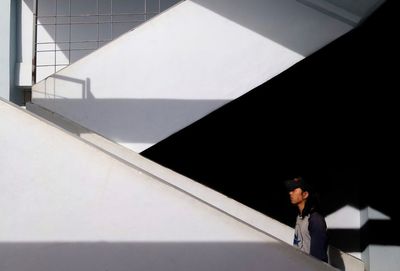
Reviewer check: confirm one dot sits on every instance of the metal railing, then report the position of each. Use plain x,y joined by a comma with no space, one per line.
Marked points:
64,34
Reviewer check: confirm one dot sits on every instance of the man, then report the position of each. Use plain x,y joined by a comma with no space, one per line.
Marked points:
310,232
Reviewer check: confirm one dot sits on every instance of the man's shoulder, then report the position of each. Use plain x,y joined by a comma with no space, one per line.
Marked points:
317,220
316,215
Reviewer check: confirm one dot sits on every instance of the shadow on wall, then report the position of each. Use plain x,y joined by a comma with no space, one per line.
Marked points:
287,22
335,258
131,121
151,256
71,29
315,120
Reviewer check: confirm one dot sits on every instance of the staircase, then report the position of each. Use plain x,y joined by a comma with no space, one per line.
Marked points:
183,64
90,204
175,69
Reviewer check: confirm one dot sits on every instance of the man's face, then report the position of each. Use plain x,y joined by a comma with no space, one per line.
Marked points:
298,196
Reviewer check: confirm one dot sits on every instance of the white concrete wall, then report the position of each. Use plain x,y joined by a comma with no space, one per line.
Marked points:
25,43
379,257
348,217
84,26
75,207
351,12
180,66
235,209
5,20
375,257
383,258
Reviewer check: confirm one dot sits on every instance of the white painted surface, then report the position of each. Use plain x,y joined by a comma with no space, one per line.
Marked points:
383,258
5,49
347,217
84,26
25,43
182,65
331,8
196,190
360,8
74,207
375,257
379,257
351,12
376,215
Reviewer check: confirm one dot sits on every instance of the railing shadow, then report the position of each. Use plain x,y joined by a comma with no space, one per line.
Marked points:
152,256
129,121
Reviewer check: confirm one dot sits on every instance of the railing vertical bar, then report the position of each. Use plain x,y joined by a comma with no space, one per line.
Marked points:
55,38
57,45
145,10
112,35
70,32
98,22
35,41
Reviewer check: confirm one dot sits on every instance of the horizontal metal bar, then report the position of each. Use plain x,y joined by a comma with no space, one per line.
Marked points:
52,65
94,15
62,42
92,20
66,50
111,22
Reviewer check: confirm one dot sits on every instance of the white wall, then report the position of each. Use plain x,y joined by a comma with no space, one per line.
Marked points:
5,20
383,258
180,66
379,257
348,217
25,43
16,48
359,7
351,12
74,207
212,198
375,257
84,26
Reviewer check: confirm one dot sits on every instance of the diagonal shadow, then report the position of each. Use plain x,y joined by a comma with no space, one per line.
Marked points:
69,30
132,120
316,120
289,23
151,256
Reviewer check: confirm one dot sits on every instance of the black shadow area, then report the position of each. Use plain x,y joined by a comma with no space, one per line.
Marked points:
330,118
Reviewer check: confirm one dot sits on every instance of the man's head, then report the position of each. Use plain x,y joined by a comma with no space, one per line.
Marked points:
299,191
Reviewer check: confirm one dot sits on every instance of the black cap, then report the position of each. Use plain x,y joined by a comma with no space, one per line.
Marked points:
297,182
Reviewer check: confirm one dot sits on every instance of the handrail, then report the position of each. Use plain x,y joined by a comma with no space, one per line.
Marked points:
59,52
